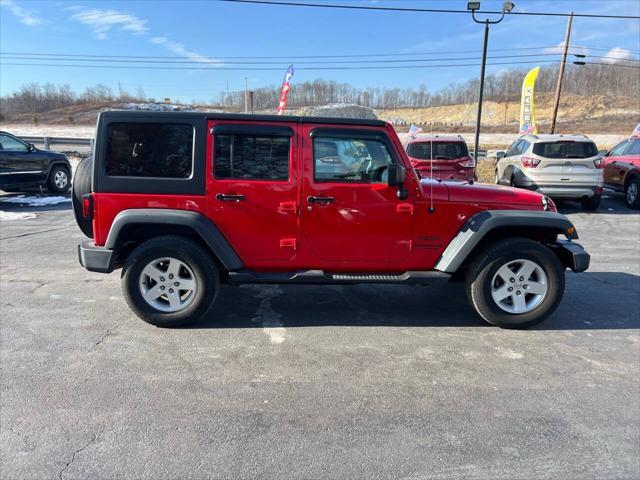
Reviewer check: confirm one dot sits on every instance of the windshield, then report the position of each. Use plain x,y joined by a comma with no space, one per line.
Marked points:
566,149
441,150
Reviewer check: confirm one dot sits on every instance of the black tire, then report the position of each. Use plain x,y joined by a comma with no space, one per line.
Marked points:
591,203
480,276
632,202
59,170
81,187
512,182
205,272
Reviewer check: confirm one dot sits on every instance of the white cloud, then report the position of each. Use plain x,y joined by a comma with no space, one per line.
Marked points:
180,50
26,17
617,54
102,21
573,49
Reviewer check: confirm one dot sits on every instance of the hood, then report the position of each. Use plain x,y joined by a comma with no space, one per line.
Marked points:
465,192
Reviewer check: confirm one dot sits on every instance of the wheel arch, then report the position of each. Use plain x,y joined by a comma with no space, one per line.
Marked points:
631,174
132,227
488,226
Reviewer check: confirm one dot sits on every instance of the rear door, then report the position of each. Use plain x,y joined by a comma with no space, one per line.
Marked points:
566,161
351,219
620,159
251,189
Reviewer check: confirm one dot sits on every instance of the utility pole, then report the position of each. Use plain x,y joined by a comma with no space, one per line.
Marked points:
251,101
119,90
561,74
246,95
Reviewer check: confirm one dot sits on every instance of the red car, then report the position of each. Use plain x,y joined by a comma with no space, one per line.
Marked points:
444,158
185,202
622,170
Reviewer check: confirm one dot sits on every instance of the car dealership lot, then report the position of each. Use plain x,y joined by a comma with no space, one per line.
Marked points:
315,382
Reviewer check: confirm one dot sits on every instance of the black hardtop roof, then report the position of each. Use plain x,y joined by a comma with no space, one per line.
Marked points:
245,117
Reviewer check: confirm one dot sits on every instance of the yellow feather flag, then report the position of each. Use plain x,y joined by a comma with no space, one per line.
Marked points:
527,106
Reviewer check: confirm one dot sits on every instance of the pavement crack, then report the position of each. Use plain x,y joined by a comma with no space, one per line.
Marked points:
73,456
36,233
107,333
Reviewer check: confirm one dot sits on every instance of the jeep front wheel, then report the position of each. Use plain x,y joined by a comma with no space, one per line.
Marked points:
515,283
170,281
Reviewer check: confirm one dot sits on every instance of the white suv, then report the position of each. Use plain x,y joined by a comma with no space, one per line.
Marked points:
560,166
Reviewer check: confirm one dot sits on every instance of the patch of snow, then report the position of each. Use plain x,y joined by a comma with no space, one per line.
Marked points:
35,201
8,216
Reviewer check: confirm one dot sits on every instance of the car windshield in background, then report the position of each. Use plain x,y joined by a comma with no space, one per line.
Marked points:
565,149
441,150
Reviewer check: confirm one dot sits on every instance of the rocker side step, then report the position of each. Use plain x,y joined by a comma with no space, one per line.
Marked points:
320,277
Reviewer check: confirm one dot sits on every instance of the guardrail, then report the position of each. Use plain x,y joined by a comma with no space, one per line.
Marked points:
48,141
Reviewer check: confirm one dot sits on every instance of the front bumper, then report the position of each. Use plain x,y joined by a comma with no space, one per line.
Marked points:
572,255
95,258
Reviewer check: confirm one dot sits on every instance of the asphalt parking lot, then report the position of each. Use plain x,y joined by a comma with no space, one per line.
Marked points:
315,382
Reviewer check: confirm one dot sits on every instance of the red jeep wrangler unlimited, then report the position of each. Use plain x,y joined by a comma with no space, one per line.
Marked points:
183,202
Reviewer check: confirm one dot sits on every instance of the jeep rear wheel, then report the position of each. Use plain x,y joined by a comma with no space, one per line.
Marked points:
515,283
632,193
170,281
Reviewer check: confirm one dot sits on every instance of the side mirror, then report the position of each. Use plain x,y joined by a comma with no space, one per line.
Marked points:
397,175
31,147
500,155
603,153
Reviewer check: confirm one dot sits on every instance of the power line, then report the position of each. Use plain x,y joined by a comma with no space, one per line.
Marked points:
286,57
376,67
421,10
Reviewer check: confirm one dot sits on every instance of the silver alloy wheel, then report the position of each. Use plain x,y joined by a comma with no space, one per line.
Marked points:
632,192
167,284
519,286
61,179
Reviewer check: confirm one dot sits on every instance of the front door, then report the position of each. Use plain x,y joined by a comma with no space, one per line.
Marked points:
351,218
252,189
18,163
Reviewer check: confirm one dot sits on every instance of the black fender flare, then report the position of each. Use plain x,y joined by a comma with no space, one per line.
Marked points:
480,224
65,163
197,222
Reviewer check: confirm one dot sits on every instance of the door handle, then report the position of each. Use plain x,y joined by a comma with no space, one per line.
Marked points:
222,197
312,199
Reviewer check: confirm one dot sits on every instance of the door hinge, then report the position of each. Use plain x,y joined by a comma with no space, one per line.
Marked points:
288,207
404,208
288,243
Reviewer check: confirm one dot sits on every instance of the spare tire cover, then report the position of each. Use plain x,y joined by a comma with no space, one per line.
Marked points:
82,186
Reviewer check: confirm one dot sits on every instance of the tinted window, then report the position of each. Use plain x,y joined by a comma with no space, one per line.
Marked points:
634,148
439,150
350,160
12,144
619,149
514,148
161,150
251,157
565,149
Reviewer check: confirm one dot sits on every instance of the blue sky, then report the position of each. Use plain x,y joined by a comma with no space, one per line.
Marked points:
206,32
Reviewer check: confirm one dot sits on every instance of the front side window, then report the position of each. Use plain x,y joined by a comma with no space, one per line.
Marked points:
514,148
11,144
350,160
160,150
566,150
437,150
618,149
634,148
251,157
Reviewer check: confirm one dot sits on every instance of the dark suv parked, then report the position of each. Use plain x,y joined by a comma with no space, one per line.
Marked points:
22,165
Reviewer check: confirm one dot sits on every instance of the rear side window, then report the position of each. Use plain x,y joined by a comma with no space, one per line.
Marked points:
565,149
437,150
251,157
160,150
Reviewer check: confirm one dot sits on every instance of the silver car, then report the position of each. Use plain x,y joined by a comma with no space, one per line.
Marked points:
559,166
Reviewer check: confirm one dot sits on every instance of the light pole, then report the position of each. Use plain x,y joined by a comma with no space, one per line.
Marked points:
473,7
